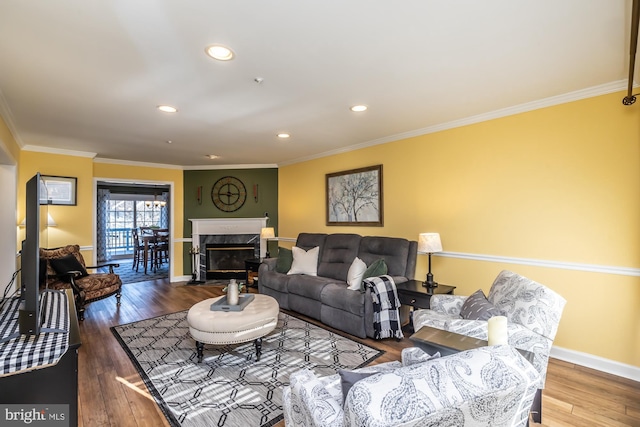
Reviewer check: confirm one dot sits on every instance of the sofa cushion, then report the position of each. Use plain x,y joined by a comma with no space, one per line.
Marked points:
477,307
308,286
307,241
284,261
274,280
305,262
337,254
394,251
338,296
355,274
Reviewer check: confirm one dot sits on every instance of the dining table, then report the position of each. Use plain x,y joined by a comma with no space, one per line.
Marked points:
150,238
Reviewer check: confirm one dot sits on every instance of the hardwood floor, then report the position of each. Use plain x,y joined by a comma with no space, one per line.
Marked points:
111,393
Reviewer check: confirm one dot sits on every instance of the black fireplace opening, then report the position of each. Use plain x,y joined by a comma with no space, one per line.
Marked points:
226,260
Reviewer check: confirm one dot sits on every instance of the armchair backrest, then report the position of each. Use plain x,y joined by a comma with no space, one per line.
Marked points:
528,303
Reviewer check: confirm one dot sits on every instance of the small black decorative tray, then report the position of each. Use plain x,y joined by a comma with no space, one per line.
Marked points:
221,304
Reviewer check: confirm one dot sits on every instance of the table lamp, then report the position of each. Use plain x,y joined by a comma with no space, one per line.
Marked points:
267,233
429,243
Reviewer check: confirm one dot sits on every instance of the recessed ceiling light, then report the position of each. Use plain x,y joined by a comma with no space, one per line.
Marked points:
358,108
212,156
169,141
219,52
283,135
167,108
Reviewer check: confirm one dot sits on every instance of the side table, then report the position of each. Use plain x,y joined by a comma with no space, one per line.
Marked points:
251,266
412,293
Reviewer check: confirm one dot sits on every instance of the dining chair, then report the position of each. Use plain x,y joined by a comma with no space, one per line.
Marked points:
160,247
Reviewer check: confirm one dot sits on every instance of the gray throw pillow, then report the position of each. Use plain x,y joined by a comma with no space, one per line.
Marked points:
285,259
477,307
349,378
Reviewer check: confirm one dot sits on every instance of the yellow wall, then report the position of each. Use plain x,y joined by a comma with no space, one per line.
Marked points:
560,184
76,223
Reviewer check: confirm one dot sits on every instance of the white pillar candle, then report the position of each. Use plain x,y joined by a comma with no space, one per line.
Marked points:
498,331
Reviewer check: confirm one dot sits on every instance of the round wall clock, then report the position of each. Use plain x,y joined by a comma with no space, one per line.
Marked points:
228,194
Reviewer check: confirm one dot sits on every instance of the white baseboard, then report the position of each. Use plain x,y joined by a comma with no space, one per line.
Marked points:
180,279
596,362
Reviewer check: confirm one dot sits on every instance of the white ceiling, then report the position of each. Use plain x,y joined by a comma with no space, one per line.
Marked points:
87,75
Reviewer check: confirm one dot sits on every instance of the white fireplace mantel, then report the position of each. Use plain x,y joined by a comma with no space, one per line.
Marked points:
213,226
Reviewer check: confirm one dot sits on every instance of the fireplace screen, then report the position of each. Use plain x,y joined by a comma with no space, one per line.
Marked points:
226,260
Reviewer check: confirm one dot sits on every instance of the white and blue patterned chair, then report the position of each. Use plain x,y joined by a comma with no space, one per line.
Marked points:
533,313
488,386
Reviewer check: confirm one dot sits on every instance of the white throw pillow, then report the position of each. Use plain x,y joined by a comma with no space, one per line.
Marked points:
305,262
356,271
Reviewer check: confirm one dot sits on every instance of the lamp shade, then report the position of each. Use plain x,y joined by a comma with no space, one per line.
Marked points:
50,221
267,233
429,243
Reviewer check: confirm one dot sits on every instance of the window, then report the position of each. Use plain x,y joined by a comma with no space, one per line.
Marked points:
123,215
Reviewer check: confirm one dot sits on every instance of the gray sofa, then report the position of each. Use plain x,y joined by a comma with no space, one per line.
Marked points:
325,297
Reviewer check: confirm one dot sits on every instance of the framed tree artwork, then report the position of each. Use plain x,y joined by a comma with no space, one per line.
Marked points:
354,197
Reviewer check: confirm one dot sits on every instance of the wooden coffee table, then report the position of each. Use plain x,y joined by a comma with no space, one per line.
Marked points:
433,340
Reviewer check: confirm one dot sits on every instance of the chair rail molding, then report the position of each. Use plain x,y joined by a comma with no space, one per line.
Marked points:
593,268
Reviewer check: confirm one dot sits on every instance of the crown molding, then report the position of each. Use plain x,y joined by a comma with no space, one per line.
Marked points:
49,150
7,116
590,92
218,167
134,163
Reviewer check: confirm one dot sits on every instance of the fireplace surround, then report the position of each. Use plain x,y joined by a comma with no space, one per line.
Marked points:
231,231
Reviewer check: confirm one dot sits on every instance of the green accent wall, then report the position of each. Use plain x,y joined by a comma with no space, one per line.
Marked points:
266,181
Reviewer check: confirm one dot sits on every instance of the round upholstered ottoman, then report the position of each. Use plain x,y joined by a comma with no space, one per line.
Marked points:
257,319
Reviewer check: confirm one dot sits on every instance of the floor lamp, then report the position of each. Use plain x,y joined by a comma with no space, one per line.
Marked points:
429,243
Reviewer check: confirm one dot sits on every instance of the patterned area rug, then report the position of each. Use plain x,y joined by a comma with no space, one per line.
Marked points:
229,388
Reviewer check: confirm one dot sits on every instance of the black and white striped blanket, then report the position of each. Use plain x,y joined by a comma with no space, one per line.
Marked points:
386,319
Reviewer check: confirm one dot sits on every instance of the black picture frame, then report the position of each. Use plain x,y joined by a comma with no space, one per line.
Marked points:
60,190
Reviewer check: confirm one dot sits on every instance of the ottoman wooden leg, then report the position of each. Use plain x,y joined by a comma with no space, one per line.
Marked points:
258,344
200,350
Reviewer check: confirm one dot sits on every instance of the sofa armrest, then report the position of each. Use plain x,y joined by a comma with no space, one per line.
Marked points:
111,266
270,264
447,304
307,402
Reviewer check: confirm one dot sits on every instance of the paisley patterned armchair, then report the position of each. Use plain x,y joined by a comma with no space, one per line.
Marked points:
533,314
65,268
488,386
